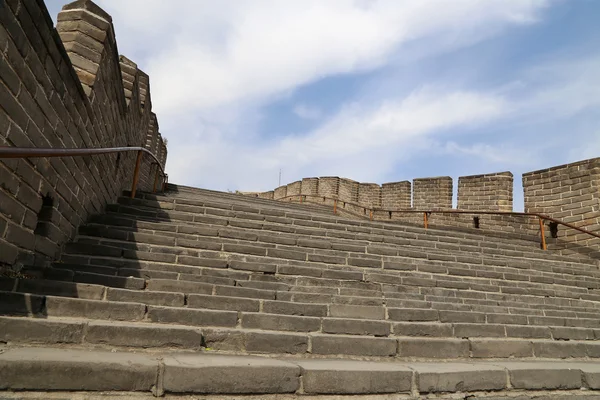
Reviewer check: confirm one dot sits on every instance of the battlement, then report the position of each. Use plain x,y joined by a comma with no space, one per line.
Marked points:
66,87
570,192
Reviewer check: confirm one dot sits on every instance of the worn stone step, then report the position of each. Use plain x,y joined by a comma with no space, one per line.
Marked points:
467,303
92,370
18,330
494,251
344,258
527,249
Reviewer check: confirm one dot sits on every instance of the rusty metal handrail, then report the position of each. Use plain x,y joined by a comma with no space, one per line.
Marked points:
427,213
21,152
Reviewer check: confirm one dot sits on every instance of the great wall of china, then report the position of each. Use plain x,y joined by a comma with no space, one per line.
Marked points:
188,292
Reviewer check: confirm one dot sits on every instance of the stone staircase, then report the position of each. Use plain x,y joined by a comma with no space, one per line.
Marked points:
203,292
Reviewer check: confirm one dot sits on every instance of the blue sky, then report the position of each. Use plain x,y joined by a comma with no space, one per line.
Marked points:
372,90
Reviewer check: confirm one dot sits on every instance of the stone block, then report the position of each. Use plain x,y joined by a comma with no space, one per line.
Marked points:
280,322
79,308
481,348
184,316
433,348
356,327
354,377
221,374
137,296
456,377
30,330
356,346
349,311
292,308
143,335
222,303
76,370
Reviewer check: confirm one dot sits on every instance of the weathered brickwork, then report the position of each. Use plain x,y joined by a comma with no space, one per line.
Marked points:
280,192
65,88
432,193
369,195
348,190
396,195
310,186
294,188
570,193
329,186
493,192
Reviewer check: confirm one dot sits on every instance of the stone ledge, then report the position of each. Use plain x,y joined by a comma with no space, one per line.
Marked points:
83,370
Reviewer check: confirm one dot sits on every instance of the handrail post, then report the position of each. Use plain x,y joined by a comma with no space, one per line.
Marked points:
425,220
136,173
155,180
543,234
335,206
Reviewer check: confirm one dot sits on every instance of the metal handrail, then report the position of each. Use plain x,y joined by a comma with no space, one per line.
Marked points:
20,152
427,213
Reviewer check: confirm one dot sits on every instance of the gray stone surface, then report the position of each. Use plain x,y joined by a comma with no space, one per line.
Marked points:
354,377
459,377
229,374
76,370
143,335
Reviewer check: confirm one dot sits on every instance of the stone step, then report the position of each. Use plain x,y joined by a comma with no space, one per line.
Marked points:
234,235
231,311
331,287
505,238
385,228
326,290
409,278
192,373
180,248
80,331
333,245
188,214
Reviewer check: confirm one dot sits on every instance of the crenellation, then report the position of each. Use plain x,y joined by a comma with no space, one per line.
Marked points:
369,195
310,186
432,193
348,190
294,188
492,192
396,195
329,186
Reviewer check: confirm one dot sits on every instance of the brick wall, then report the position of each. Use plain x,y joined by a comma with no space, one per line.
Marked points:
432,193
310,186
294,188
64,88
396,195
329,186
369,195
570,193
348,190
492,192
280,192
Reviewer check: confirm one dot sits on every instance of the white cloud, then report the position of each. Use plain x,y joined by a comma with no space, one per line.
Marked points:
203,54
362,142
307,112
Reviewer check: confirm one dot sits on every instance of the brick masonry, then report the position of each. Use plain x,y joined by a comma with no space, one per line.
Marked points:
66,88
570,193
432,193
396,195
493,192
369,195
